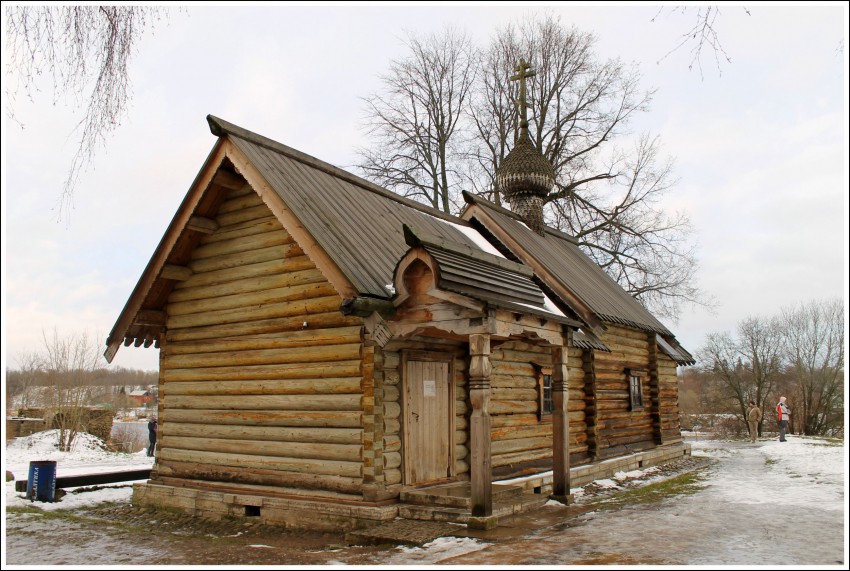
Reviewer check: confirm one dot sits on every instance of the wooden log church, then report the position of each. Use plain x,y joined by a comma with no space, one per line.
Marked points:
334,356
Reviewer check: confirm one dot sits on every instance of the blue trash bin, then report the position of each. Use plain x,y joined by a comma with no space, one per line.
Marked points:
41,484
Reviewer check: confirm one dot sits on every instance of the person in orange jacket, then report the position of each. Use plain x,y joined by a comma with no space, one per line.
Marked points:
783,413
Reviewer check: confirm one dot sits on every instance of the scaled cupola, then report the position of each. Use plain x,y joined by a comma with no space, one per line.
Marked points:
525,177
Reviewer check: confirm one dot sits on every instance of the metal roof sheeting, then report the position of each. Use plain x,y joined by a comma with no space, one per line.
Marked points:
561,256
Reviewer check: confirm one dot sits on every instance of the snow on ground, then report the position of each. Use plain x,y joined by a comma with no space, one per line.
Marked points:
89,456
797,468
800,460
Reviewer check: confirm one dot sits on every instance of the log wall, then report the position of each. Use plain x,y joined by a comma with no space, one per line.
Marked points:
261,376
619,430
521,439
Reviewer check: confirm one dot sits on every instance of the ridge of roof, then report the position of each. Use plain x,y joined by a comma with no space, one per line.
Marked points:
475,199
219,127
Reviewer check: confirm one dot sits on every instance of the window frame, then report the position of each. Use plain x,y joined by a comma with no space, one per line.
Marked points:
635,379
544,373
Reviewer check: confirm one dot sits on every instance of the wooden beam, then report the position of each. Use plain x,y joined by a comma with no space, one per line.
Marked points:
228,180
479,424
149,317
201,224
176,273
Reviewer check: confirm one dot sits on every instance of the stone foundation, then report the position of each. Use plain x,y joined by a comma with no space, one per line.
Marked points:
321,515
326,515
583,475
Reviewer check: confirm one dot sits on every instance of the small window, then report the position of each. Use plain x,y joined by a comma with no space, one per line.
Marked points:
544,391
636,389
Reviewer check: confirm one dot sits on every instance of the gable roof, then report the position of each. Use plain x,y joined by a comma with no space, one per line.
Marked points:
358,228
558,256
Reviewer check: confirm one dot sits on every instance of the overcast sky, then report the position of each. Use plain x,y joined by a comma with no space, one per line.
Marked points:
760,146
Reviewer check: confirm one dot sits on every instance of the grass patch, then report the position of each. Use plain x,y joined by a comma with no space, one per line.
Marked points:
769,461
682,485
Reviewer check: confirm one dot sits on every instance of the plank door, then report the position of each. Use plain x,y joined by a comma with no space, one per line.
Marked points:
428,420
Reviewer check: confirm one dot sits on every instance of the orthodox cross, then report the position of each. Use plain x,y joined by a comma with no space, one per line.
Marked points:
523,71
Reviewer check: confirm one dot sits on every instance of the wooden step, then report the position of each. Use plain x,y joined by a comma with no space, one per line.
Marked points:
456,495
442,513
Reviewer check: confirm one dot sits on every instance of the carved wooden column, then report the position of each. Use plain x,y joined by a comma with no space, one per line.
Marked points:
479,394
560,426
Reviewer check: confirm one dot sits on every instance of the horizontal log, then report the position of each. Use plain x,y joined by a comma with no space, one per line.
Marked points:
259,433
615,330
251,300
290,308
392,443
341,419
517,457
392,476
299,465
461,450
307,450
519,369
245,258
344,385
246,228
512,381
391,410
391,393
391,460
514,394
202,225
265,402
509,420
258,476
530,431
242,244
274,267
248,285
257,372
176,273
391,426
518,444
315,321
542,358
240,202
278,340
512,407
242,215
309,354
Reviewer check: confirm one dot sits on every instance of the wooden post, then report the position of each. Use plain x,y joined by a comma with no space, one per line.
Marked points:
479,394
560,427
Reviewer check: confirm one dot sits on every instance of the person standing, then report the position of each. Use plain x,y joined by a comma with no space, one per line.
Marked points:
152,429
753,419
783,413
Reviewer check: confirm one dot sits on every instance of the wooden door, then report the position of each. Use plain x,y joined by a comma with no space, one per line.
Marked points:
428,419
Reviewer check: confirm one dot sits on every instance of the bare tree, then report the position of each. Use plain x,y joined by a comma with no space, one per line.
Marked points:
813,345
416,122
702,35
747,366
609,195
71,365
21,383
86,51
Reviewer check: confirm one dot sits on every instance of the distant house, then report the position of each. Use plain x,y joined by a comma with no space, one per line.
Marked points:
333,355
140,397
